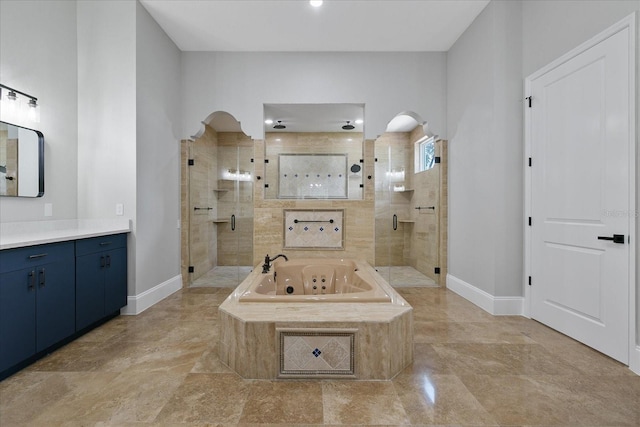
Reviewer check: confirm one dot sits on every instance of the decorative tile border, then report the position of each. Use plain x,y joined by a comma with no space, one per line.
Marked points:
314,229
312,176
311,353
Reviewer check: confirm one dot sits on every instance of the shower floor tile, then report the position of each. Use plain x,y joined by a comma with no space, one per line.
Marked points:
405,276
222,277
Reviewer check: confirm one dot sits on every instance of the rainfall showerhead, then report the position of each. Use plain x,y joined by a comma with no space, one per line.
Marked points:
348,126
279,125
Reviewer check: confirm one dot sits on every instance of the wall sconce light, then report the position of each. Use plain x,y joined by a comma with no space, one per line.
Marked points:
13,109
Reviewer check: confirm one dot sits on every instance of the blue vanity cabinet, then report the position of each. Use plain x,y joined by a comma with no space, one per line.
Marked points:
101,278
37,297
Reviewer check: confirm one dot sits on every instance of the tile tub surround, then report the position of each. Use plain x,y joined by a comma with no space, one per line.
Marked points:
249,336
30,233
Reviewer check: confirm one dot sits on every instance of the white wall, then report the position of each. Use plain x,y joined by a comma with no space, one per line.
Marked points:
38,56
240,83
107,113
158,154
484,108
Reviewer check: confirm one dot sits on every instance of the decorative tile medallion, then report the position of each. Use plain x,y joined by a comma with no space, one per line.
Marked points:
316,353
314,229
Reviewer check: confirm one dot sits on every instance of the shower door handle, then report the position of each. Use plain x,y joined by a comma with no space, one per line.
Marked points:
233,222
395,221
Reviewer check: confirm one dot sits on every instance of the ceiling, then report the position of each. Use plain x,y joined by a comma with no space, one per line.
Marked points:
294,25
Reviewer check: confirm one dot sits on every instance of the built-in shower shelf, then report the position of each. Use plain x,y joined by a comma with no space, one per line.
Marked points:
220,190
406,190
406,221
220,221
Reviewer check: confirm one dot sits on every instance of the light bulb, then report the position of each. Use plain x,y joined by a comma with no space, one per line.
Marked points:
315,3
34,111
268,122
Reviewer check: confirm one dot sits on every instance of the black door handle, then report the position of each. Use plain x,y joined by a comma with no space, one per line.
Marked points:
616,238
233,222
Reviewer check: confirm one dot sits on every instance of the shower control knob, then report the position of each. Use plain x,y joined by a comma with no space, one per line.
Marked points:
289,289
315,287
324,287
324,280
315,280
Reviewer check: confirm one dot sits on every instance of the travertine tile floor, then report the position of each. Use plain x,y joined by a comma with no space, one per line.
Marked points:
161,368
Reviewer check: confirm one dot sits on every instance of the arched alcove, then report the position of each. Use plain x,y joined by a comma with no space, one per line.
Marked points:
410,203
217,203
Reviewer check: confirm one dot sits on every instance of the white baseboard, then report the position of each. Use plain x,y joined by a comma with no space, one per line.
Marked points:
634,361
498,306
138,303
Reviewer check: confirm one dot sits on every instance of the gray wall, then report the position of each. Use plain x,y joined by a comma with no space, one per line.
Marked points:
387,83
107,114
158,154
484,108
38,56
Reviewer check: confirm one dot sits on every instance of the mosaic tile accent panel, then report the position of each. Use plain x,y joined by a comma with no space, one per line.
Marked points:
316,353
314,229
313,176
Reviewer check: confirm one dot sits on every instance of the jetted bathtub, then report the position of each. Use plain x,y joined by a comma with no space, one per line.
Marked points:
316,280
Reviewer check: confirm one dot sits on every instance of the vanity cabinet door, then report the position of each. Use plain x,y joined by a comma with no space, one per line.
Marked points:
101,278
89,289
55,303
36,300
115,283
17,316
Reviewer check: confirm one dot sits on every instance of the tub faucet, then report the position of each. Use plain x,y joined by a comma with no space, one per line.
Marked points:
267,262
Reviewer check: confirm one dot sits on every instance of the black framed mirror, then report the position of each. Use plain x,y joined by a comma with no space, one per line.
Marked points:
21,161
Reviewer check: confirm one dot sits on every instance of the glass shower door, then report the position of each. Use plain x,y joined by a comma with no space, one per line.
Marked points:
406,204
235,207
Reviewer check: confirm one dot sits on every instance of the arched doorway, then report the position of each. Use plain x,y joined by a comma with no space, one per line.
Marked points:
410,203
217,204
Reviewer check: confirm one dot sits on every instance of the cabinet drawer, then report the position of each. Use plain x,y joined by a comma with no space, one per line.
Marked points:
16,259
99,244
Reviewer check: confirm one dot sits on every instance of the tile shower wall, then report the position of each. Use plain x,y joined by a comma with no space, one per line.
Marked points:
317,143
358,214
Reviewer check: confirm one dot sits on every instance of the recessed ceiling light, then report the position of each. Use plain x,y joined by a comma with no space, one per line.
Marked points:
315,3
268,122
359,121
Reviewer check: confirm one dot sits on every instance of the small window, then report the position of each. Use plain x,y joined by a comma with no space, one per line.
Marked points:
425,154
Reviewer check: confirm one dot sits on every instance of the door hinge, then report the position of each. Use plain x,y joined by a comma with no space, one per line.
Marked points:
266,160
191,269
436,159
529,221
251,160
191,162
436,270
529,161
529,98
529,280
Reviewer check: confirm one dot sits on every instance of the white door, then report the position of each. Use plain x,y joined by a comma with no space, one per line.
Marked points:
580,143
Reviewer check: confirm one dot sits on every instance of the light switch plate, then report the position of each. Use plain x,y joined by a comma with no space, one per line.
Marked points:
48,209
119,209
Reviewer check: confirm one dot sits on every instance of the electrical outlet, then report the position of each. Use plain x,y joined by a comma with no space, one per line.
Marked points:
119,209
48,209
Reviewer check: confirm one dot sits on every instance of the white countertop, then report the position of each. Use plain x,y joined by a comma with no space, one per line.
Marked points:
20,234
